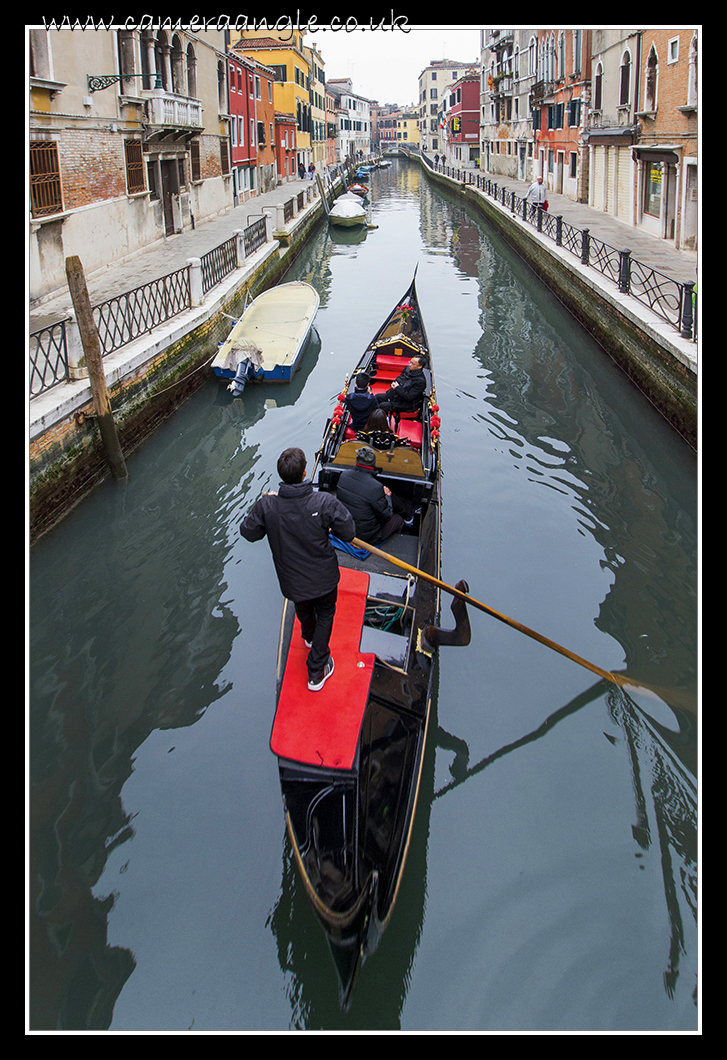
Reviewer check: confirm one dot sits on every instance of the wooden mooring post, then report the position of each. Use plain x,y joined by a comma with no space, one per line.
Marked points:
94,361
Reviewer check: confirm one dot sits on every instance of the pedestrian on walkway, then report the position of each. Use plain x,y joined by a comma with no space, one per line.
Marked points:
297,520
537,195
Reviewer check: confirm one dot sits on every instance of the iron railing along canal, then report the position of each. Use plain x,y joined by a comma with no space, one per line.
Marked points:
670,299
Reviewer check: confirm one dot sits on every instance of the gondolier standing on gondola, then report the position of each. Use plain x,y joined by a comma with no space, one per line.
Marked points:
297,520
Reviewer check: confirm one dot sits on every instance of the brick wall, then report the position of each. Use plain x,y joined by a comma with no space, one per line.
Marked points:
673,88
92,166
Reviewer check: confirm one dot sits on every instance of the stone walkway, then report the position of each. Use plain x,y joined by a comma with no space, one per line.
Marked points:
172,253
658,253
166,256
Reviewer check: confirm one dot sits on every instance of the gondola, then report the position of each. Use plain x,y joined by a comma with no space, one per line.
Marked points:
350,756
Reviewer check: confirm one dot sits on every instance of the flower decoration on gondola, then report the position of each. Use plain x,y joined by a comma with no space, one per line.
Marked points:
405,311
435,423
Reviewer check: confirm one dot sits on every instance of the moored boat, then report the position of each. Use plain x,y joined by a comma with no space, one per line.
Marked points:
267,342
350,756
348,211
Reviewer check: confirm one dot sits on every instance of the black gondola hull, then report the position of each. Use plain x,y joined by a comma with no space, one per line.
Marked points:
350,828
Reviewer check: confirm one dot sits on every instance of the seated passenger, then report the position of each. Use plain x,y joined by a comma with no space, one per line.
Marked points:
406,392
367,500
361,403
378,430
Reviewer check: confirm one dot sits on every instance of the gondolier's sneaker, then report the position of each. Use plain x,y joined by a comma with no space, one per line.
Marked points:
316,686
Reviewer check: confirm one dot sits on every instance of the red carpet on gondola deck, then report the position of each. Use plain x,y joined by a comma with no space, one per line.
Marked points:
322,728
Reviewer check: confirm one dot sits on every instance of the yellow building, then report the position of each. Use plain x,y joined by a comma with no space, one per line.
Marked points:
317,108
407,130
291,89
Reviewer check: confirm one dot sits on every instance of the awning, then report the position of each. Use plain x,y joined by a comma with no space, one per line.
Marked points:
669,153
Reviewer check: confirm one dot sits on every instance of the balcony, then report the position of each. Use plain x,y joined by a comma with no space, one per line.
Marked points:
169,114
498,37
502,85
541,92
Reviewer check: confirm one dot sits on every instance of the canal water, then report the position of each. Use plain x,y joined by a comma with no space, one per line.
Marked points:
552,879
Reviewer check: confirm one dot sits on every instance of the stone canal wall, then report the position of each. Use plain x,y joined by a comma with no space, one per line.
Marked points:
652,354
146,380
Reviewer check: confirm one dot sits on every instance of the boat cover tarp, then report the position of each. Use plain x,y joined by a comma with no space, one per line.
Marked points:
322,728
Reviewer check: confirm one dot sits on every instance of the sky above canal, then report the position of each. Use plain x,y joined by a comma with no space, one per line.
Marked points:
385,65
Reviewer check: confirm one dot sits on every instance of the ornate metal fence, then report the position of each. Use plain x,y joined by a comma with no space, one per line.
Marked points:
48,358
219,263
255,236
123,318
120,320
670,299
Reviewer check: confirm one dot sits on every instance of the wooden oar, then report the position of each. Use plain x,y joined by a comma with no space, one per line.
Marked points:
607,675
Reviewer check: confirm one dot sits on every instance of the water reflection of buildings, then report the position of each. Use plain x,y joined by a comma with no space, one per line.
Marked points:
544,403
666,816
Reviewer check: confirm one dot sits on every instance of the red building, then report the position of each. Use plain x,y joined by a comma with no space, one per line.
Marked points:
243,138
463,118
258,151
285,146
560,101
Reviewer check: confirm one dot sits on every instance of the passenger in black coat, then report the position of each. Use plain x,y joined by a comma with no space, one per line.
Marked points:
368,501
297,520
361,403
406,392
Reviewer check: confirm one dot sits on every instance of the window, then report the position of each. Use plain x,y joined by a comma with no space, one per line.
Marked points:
625,80
598,88
652,188
652,70
672,50
45,178
194,160
573,164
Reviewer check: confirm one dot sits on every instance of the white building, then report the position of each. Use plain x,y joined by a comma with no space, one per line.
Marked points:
353,120
435,82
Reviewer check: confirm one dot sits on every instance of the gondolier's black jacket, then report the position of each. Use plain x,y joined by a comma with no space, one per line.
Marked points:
297,520
365,499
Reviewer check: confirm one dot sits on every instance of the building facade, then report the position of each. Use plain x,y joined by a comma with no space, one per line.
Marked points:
129,143
461,120
509,65
407,129
286,55
666,152
252,125
612,126
286,150
353,113
384,117
317,100
435,81
559,101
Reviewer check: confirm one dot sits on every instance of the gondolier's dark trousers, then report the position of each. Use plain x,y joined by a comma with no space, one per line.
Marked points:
316,623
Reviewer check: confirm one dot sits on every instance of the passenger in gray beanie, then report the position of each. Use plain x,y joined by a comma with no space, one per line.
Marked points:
368,501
